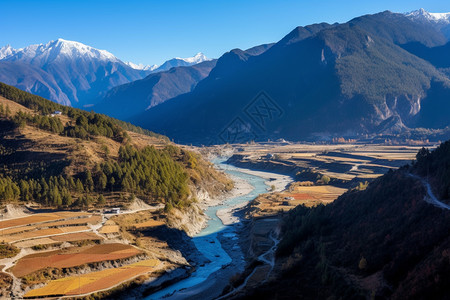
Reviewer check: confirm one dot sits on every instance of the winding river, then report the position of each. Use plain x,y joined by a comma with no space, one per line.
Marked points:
207,242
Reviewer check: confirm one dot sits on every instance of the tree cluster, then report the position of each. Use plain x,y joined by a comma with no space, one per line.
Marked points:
147,172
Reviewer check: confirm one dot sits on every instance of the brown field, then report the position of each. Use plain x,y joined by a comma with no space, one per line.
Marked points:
74,237
95,281
70,237
149,224
28,220
40,218
71,257
109,227
272,203
41,233
35,242
94,219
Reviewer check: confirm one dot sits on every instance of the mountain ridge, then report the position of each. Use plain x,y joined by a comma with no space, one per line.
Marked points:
341,80
73,73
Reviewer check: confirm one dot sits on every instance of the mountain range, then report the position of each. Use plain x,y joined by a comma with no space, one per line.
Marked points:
72,73
319,81
386,73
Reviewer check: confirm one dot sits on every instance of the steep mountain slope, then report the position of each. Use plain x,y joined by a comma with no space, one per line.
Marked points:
133,98
400,29
437,56
32,79
339,80
82,73
129,100
385,242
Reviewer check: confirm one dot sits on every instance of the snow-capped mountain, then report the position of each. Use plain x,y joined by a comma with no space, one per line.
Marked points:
423,15
65,71
174,62
196,59
182,62
7,51
141,66
439,21
73,73
41,54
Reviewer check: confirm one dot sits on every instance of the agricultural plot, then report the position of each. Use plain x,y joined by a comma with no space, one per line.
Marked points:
95,281
12,238
341,161
271,204
110,227
70,237
149,224
39,218
71,257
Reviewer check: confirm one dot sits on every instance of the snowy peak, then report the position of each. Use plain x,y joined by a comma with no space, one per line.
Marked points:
423,15
7,51
76,49
182,62
40,54
196,59
141,66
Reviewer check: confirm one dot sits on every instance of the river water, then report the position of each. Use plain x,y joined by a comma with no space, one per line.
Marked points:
207,242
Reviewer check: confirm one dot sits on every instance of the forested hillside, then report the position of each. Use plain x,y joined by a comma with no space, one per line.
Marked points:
383,242
76,158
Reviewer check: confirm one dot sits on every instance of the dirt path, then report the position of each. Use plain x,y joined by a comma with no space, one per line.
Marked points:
430,198
262,258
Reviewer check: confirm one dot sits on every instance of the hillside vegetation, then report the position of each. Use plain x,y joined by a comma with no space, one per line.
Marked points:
382,242
79,158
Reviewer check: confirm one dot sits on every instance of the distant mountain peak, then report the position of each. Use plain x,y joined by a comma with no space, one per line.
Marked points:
423,15
196,59
141,66
55,49
6,51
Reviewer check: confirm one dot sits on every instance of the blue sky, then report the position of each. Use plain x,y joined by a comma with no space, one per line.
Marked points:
150,32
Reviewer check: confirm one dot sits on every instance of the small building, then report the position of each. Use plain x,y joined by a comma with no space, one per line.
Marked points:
56,113
115,210
269,156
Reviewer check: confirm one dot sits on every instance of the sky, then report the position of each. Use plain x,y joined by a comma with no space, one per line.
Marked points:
153,31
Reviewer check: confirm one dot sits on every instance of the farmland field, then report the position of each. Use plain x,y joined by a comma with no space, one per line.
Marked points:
341,161
11,238
149,223
70,237
74,256
54,247
91,282
39,218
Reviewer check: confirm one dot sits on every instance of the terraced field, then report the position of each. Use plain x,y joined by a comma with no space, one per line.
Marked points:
70,237
57,246
39,218
71,257
95,281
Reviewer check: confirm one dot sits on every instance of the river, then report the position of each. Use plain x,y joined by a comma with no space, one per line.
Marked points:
207,241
